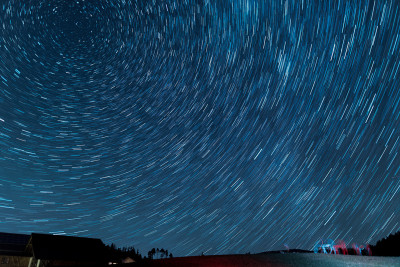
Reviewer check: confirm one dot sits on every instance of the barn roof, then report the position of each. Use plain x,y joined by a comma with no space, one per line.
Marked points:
58,247
13,244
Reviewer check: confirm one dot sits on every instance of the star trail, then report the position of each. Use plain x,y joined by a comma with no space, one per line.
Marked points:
201,126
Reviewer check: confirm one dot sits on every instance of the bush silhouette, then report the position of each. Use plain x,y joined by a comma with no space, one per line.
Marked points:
388,246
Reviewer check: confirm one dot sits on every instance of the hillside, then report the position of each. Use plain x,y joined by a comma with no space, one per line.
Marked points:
282,260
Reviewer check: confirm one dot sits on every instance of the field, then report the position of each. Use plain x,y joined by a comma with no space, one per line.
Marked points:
295,259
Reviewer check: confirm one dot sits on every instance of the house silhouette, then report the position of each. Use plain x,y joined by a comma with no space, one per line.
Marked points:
40,250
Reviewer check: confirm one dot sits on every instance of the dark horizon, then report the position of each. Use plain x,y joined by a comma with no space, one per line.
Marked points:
386,246
57,250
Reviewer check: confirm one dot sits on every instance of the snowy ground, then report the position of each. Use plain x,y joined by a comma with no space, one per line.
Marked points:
330,260
282,260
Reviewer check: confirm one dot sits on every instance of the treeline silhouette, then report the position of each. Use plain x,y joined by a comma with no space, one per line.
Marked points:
124,254
119,255
388,246
157,253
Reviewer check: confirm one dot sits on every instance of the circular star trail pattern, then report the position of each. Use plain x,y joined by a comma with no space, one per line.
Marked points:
201,126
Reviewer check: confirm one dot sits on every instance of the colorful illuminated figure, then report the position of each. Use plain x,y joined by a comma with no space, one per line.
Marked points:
330,247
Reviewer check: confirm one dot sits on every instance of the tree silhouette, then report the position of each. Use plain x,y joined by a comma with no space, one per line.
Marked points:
115,254
388,246
157,253
151,253
162,253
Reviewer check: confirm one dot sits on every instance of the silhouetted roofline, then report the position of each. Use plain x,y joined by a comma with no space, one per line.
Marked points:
13,244
60,247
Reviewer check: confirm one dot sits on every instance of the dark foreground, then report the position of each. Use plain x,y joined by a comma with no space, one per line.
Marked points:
296,259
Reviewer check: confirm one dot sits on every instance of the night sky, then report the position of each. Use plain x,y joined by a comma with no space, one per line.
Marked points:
201,126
